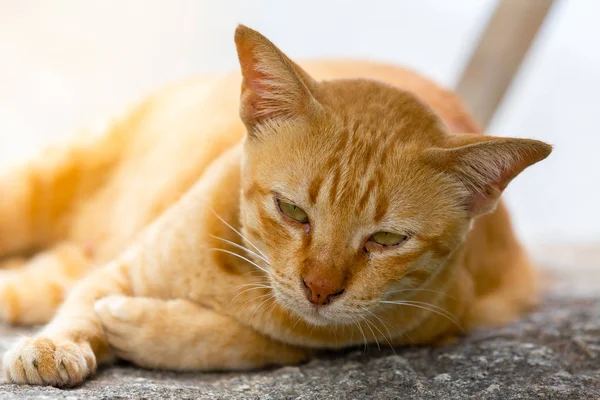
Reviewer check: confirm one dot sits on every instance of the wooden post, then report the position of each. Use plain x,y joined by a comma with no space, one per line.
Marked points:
501,49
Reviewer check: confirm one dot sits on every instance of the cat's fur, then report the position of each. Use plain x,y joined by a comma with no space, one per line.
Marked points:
358,155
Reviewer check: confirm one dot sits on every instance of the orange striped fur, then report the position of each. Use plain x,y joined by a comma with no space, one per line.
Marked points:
152,210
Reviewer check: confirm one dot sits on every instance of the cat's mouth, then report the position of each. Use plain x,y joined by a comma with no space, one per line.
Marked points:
319,315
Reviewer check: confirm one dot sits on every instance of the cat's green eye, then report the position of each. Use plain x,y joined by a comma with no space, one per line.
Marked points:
293,211
388,239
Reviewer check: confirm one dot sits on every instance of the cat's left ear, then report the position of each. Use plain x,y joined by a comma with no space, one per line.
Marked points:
273,86
485,165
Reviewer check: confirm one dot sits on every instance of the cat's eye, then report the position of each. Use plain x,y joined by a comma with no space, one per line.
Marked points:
388,238
292,211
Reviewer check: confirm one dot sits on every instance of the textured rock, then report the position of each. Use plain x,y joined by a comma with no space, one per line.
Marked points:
552,354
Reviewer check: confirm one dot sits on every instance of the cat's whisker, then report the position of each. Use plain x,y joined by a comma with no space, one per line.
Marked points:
265,284
409,338
247,290
422,290
432,275
268,309
410,270
312,328
256,298
409,302
432,307
254,273
372,332
260,305
296,323
385,326
238,232
334,331
365,341
250,289
234,244
240,256
429,307
357,323
438,308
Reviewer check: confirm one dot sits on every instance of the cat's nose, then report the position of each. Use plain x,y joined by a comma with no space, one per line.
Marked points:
321,290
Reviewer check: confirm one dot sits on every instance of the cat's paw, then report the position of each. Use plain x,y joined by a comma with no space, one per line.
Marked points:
489,312
42,361
129,325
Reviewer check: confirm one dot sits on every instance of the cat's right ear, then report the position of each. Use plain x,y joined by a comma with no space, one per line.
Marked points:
273,86
485,165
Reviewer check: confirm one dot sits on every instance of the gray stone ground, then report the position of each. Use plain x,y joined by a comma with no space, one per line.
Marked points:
552,354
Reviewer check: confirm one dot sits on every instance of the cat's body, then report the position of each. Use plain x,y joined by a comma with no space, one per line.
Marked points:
183,302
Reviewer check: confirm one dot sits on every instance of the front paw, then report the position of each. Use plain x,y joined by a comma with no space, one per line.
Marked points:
43,361
128,324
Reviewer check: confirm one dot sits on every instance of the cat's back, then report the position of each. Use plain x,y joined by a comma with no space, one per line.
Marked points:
170,138
444,102
165,142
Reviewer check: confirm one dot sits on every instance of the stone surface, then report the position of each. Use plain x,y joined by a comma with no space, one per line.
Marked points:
554,353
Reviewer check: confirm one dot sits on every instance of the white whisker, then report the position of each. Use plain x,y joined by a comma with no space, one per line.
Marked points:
247,290
255,274
238,232
372,332
268,309
438,308
240,256
363,335
296,323
256,298
334,331
264,284
429,307
409,337
422,290
234,244
385,326
260,305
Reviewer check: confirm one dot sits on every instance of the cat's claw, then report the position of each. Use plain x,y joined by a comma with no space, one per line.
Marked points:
42,361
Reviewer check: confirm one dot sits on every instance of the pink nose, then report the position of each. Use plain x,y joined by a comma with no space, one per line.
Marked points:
320,289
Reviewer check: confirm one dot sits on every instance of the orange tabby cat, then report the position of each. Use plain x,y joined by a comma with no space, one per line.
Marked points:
339,211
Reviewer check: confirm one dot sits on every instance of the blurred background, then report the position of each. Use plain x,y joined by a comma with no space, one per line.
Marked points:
64,63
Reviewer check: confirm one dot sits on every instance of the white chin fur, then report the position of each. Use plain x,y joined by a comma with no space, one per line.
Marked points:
319,317
315,318
305,311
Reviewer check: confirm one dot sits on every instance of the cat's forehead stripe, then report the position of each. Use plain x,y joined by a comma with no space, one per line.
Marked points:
352,171
366,195
333,186
314,189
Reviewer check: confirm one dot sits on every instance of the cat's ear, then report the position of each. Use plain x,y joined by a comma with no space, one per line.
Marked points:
485,165
273,86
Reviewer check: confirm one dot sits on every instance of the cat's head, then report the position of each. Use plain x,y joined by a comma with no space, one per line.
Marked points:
353,188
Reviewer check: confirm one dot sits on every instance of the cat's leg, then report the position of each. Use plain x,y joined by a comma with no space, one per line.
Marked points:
180,335
507,283
517,293
167,261
37,197
68,349
31,291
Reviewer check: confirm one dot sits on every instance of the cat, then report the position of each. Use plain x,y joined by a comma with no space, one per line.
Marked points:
204,231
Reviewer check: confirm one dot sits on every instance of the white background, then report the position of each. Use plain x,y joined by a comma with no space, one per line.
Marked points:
65,62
